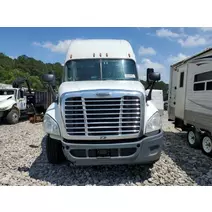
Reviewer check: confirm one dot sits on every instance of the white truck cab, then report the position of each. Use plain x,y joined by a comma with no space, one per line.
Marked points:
101,114
12,103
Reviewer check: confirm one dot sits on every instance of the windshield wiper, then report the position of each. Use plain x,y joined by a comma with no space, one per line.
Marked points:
120,79
114,79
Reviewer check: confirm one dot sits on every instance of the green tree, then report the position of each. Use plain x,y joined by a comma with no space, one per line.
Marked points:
29,68
160,86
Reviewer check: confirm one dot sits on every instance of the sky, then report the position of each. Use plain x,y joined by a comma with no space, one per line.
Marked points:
156,48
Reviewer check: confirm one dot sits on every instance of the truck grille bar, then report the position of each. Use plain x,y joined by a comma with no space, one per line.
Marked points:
102,116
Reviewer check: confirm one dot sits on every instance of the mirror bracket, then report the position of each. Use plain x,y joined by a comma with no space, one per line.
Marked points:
152,77
50,80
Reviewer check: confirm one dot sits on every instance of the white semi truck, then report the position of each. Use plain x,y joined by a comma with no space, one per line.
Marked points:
101,114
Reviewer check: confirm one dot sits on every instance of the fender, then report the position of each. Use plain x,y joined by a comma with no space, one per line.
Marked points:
16,107
150,110
54,111
7,104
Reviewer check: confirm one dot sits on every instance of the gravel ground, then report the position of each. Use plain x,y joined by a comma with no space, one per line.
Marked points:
23,162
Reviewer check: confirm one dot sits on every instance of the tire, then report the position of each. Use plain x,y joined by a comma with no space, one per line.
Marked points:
207,144
54,151
193,138
150,164
13,116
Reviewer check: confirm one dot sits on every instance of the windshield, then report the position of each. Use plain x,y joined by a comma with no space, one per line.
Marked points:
6,92
101,69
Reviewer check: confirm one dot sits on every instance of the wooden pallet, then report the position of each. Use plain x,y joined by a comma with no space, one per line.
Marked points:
35,119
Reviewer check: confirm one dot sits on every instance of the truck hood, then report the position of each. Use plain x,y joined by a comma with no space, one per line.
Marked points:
5,97
6,102
95,85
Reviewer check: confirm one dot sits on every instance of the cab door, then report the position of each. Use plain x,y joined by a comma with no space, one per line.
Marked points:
21,100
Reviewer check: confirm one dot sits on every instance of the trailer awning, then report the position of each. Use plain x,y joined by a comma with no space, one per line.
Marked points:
190,58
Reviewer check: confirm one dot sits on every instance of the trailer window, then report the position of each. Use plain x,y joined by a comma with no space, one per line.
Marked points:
199,86
203,77
181,79
209,86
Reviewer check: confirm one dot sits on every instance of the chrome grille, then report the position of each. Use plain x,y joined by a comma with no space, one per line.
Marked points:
102,116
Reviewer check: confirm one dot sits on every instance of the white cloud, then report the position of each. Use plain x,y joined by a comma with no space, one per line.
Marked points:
12,57
146,51
206,29
193,41
167,33
186,40
174,59
147,63
59,47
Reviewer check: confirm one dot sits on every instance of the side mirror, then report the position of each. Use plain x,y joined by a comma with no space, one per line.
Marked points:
49,78
155,76
149,71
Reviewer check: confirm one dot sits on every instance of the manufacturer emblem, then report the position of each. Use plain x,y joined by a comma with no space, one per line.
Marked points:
102,94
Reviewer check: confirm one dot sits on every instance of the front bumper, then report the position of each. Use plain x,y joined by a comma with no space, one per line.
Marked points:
144,151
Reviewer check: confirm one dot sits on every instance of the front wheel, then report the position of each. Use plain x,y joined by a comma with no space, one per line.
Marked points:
54,151
13,116
151,164
207,145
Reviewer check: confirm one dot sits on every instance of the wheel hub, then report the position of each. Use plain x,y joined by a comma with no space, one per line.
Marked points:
191,137
207,144
15,116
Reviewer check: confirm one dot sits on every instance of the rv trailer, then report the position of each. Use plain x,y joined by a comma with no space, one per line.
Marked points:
190,99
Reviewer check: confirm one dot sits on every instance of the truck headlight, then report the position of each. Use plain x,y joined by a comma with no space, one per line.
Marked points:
50,126
154,123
